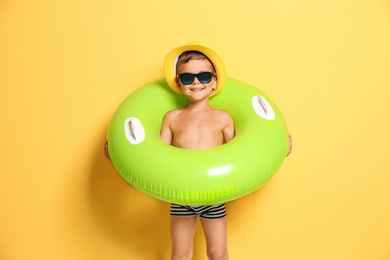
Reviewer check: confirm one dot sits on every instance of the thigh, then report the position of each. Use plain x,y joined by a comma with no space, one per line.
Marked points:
215,231
182,232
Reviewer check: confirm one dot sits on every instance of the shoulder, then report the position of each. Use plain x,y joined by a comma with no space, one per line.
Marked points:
171,115
223,113
224,116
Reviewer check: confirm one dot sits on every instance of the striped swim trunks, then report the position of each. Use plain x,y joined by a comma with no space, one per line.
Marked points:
208,212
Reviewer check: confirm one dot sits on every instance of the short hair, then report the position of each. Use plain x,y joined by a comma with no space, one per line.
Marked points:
191,55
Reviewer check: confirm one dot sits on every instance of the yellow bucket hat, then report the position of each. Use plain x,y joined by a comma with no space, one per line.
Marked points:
171,61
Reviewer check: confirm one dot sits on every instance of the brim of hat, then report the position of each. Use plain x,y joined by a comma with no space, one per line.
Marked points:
172,57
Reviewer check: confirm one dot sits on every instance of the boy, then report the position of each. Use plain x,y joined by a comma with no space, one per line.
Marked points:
197,126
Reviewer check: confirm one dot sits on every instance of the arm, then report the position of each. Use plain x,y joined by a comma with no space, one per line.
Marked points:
228,131
166,134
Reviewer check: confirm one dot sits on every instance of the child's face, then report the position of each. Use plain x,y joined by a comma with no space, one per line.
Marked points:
197,90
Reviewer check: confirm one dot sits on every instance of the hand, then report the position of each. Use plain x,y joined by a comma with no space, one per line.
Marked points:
290,147
106,154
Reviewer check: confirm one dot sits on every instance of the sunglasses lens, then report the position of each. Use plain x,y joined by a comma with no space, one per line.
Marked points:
204,77
187,78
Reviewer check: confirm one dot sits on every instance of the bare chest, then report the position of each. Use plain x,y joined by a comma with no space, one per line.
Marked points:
198,124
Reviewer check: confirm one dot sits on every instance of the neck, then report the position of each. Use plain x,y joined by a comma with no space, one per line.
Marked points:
198,105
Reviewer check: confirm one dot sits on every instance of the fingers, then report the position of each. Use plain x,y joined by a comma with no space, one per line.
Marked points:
106,153
290,146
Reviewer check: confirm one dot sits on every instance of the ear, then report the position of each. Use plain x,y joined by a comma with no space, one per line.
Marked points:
215,85
178,83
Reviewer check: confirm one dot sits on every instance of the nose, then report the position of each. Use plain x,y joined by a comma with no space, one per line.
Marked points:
196,81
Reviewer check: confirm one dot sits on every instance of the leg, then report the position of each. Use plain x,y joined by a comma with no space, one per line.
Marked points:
215,231
182,235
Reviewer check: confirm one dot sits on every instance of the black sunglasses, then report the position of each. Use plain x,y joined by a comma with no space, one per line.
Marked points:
203,77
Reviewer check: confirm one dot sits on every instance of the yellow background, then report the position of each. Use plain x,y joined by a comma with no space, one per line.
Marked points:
66,65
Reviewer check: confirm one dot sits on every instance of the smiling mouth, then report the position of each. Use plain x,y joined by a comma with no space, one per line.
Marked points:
197,89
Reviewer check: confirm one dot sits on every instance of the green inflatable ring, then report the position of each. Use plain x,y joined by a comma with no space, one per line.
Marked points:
197,177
